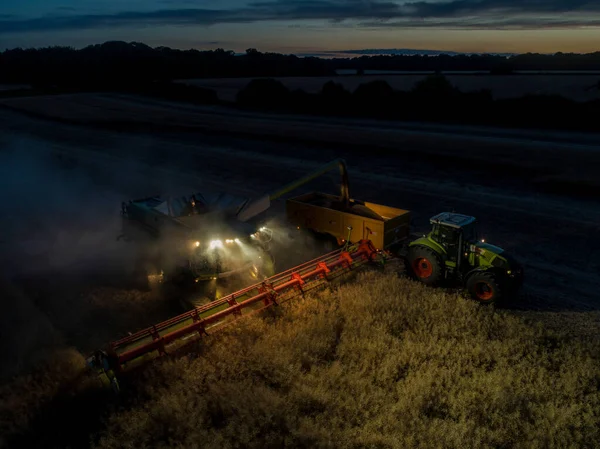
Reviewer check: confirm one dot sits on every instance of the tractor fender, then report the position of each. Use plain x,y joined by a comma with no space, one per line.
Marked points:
428,243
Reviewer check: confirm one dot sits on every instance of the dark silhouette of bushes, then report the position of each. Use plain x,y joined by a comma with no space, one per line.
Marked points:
375,98
335,97
169,90
432,99
264,93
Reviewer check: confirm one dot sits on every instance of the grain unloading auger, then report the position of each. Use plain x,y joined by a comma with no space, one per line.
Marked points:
176,333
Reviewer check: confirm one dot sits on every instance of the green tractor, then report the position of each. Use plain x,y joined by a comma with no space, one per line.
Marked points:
453,252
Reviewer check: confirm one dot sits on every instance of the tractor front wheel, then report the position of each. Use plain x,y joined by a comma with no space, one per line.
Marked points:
484,287
425,265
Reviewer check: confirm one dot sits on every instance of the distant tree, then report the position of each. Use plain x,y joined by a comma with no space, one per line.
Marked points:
115,64
264,93
377,89
374,98
435,86
334,90
334,98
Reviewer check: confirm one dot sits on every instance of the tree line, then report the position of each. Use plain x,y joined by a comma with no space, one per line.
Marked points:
120,63
432,99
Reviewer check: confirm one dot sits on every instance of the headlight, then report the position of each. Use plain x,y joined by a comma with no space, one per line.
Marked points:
197,244
216,244
237,240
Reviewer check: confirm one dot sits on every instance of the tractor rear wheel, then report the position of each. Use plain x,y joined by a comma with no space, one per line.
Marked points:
484,287
425,265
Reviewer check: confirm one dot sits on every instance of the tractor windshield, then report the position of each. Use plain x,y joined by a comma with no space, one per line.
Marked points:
470,233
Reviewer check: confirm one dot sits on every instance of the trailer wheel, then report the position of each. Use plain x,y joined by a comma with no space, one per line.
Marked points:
484,288
425,265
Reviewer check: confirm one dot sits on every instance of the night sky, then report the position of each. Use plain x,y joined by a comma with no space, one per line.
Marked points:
308,26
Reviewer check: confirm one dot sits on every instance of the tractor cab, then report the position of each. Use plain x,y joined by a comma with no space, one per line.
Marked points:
453,232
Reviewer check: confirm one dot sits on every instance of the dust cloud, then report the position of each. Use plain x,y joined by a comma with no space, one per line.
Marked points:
55,224
53,215
65,279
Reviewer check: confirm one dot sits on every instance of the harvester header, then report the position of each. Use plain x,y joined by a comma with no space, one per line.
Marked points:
175,333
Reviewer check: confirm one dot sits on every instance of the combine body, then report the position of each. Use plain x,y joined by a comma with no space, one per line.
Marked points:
196,237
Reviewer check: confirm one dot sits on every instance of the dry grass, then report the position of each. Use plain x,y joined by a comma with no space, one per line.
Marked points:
379,363
22,398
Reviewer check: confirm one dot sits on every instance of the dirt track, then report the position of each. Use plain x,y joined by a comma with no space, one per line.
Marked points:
63,255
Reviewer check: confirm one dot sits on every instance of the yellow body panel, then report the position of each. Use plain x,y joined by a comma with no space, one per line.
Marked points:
324,213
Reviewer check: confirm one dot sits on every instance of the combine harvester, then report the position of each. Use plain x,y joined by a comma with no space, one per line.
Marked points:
368,233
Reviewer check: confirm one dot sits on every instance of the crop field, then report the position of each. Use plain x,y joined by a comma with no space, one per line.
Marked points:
569,86
381,363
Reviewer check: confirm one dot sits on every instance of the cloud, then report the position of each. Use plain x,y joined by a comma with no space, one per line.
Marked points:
490,23
366,13
395,51
390,51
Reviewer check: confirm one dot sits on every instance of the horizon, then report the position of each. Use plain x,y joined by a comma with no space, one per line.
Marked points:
326,54
308,26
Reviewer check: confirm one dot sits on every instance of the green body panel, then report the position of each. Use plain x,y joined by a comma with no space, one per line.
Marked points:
479,255
315,174
482,255
429,243
439,249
